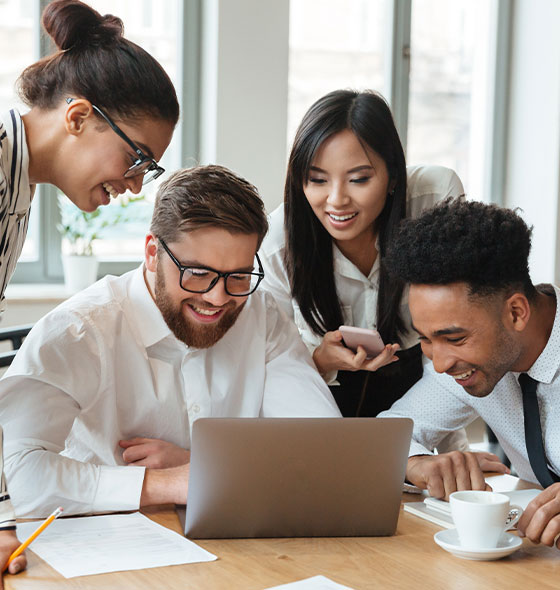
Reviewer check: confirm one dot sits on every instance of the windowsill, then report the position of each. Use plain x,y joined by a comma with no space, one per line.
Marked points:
57,292
41,293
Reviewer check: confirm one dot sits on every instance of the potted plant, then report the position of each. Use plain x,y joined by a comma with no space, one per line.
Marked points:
79,229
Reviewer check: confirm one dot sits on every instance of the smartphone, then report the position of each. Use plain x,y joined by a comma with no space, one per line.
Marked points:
369,340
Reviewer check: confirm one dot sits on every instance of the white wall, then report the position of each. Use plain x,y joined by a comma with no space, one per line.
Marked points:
533,147
244,84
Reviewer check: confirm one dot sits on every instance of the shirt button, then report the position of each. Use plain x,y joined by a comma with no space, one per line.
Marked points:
196,408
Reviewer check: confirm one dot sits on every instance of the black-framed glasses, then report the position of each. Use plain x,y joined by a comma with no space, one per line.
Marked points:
143,164
199,279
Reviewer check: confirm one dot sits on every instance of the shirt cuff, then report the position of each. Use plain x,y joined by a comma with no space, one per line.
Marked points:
454,441
330,377
417,449
7,515
119,488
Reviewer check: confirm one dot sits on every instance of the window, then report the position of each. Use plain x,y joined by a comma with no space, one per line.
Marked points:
16,40
333,45
449,98
432,59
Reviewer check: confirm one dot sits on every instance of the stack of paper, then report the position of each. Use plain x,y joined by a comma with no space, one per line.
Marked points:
431,511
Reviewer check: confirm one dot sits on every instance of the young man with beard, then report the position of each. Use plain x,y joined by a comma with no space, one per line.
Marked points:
494,341
99,402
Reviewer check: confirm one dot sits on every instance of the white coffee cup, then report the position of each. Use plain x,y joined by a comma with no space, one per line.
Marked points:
481,517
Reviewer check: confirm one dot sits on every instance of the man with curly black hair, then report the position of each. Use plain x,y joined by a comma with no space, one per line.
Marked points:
494,341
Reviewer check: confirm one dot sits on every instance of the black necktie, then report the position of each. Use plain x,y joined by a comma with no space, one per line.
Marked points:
533,432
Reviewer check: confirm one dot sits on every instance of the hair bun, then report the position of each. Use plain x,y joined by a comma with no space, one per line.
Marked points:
71,23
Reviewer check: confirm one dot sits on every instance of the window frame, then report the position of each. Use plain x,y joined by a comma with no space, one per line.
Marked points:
400,52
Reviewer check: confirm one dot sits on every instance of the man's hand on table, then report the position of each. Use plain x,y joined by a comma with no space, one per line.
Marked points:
446,473
540,521
153,453
8,544
167,475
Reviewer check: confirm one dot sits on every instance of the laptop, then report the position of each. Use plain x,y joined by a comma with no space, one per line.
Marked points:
295,477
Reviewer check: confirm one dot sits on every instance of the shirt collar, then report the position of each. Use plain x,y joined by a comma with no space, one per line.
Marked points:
346,268
545,368
147,316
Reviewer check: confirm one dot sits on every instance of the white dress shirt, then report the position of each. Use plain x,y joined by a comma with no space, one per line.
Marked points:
438,405
426,185
104,366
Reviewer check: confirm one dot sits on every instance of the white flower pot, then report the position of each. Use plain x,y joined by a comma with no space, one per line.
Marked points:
79,271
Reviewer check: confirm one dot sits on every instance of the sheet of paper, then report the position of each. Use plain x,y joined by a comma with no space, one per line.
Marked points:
499,483
110,543
522,497
503,482
314,583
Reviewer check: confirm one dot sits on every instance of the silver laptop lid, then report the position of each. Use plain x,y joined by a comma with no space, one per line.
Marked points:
296,477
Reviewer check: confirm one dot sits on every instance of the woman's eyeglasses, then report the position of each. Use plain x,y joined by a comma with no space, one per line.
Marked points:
143,164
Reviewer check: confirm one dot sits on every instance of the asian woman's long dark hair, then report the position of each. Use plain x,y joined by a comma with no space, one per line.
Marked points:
309,257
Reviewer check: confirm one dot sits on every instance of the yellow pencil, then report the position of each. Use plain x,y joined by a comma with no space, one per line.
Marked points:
34,535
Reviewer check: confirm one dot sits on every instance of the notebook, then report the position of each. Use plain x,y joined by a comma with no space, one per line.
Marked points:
296,477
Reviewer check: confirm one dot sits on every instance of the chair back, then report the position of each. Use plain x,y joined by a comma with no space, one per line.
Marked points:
16,335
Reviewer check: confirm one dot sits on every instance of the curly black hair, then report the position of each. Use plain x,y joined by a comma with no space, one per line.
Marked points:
483,245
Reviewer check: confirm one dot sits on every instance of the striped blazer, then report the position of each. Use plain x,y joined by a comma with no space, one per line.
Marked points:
15,201
15,194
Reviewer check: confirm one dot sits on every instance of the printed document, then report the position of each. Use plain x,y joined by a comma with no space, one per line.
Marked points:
110,543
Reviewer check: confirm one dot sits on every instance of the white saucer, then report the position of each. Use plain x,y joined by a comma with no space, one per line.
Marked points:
449,540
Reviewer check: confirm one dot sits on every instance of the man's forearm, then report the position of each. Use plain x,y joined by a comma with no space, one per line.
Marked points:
165,486
40,481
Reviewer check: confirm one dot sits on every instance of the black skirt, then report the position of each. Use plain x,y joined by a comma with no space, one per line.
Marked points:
366,393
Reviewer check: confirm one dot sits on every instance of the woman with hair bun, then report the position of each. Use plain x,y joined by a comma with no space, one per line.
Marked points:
102,113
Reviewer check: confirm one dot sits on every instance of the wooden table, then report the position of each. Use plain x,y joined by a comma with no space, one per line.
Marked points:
409,559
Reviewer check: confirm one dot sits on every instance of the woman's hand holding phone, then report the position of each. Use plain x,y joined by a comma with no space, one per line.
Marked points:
333,355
